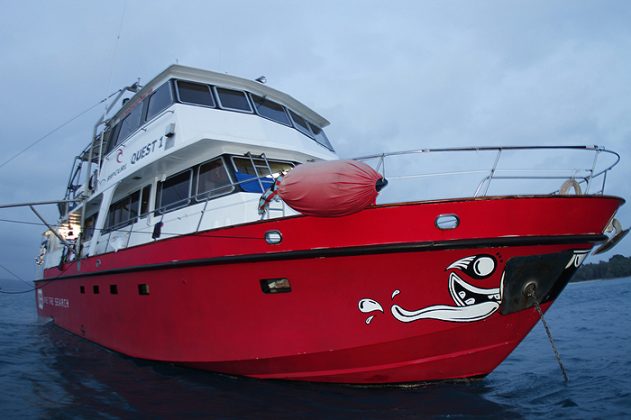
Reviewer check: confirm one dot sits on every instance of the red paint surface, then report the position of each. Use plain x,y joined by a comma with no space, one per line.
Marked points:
216,317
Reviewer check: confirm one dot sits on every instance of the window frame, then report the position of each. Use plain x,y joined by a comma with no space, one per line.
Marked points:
304,130
148,101
242,183
256,109
109,226
141,106
210,91
221,106
323,136
159,209
206,195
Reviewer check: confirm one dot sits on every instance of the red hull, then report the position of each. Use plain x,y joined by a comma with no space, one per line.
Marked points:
206,306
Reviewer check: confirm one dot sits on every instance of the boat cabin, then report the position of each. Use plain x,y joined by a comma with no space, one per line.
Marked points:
189,151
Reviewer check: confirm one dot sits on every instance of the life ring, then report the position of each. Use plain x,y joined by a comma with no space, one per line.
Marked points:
570,183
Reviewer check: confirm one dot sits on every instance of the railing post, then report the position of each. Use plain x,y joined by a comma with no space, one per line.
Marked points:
201,216
131,230
490,177
256,172
591,172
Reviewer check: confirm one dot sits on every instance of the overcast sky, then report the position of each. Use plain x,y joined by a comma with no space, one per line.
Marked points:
389,75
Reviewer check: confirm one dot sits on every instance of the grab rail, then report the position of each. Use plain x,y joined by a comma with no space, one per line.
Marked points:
584,176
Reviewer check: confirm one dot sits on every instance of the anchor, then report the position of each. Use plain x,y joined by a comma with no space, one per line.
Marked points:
616,227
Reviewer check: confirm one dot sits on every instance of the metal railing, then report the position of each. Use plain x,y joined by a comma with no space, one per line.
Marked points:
497,163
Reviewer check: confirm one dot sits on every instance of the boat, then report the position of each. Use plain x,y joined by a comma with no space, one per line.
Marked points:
202,226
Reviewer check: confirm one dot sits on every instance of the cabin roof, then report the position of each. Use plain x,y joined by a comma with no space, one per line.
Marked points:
223,80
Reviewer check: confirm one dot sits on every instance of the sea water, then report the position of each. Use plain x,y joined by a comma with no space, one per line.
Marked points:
46,372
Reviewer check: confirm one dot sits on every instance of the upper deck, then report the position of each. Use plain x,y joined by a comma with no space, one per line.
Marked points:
184,111
188,142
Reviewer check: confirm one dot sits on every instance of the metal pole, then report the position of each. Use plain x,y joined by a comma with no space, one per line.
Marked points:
53,230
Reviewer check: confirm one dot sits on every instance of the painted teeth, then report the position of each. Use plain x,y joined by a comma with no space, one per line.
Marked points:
462,294
469,301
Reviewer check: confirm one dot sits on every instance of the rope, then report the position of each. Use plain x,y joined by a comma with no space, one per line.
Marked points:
115,51
530,292
17,277
59,127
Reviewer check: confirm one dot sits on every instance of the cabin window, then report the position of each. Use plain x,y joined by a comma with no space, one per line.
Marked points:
88,227
123,212
107,139
144,201
111,137
300,123
174,192
234,100
246,169
159,100
319,136
130,124
195,93
270,109
213,180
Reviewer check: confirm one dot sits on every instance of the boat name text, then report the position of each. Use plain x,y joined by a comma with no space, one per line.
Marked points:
53,301
146,150
116,172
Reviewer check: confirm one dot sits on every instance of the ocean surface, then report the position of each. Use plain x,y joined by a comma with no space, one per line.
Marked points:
46,372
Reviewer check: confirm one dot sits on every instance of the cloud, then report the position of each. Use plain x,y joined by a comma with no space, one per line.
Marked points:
388,75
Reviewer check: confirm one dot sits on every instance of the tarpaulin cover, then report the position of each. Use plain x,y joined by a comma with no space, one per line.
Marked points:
330,188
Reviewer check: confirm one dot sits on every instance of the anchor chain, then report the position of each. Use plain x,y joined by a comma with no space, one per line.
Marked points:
529,291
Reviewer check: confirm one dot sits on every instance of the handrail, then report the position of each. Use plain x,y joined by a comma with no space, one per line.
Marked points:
585,175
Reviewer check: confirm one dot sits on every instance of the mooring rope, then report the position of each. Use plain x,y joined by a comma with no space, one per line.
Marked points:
529,291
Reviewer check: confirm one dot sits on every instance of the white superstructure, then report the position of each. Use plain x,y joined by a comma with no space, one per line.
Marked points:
189,151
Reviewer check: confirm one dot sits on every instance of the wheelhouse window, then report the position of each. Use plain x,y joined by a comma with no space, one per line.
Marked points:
213,180
300,123
270,109
255,168
174,192
319,136
234,100
130,123
123,212
159,100
194,93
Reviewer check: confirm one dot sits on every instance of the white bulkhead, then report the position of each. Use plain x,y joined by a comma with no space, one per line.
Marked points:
190,151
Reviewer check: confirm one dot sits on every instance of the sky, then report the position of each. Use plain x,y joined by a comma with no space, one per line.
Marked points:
393,75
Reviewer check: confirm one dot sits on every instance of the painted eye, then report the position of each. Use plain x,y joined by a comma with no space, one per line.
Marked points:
476,266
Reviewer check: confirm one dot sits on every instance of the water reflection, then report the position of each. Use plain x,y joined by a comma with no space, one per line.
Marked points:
79,378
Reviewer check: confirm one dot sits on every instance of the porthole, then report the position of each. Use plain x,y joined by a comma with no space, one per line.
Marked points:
273,237
447,221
